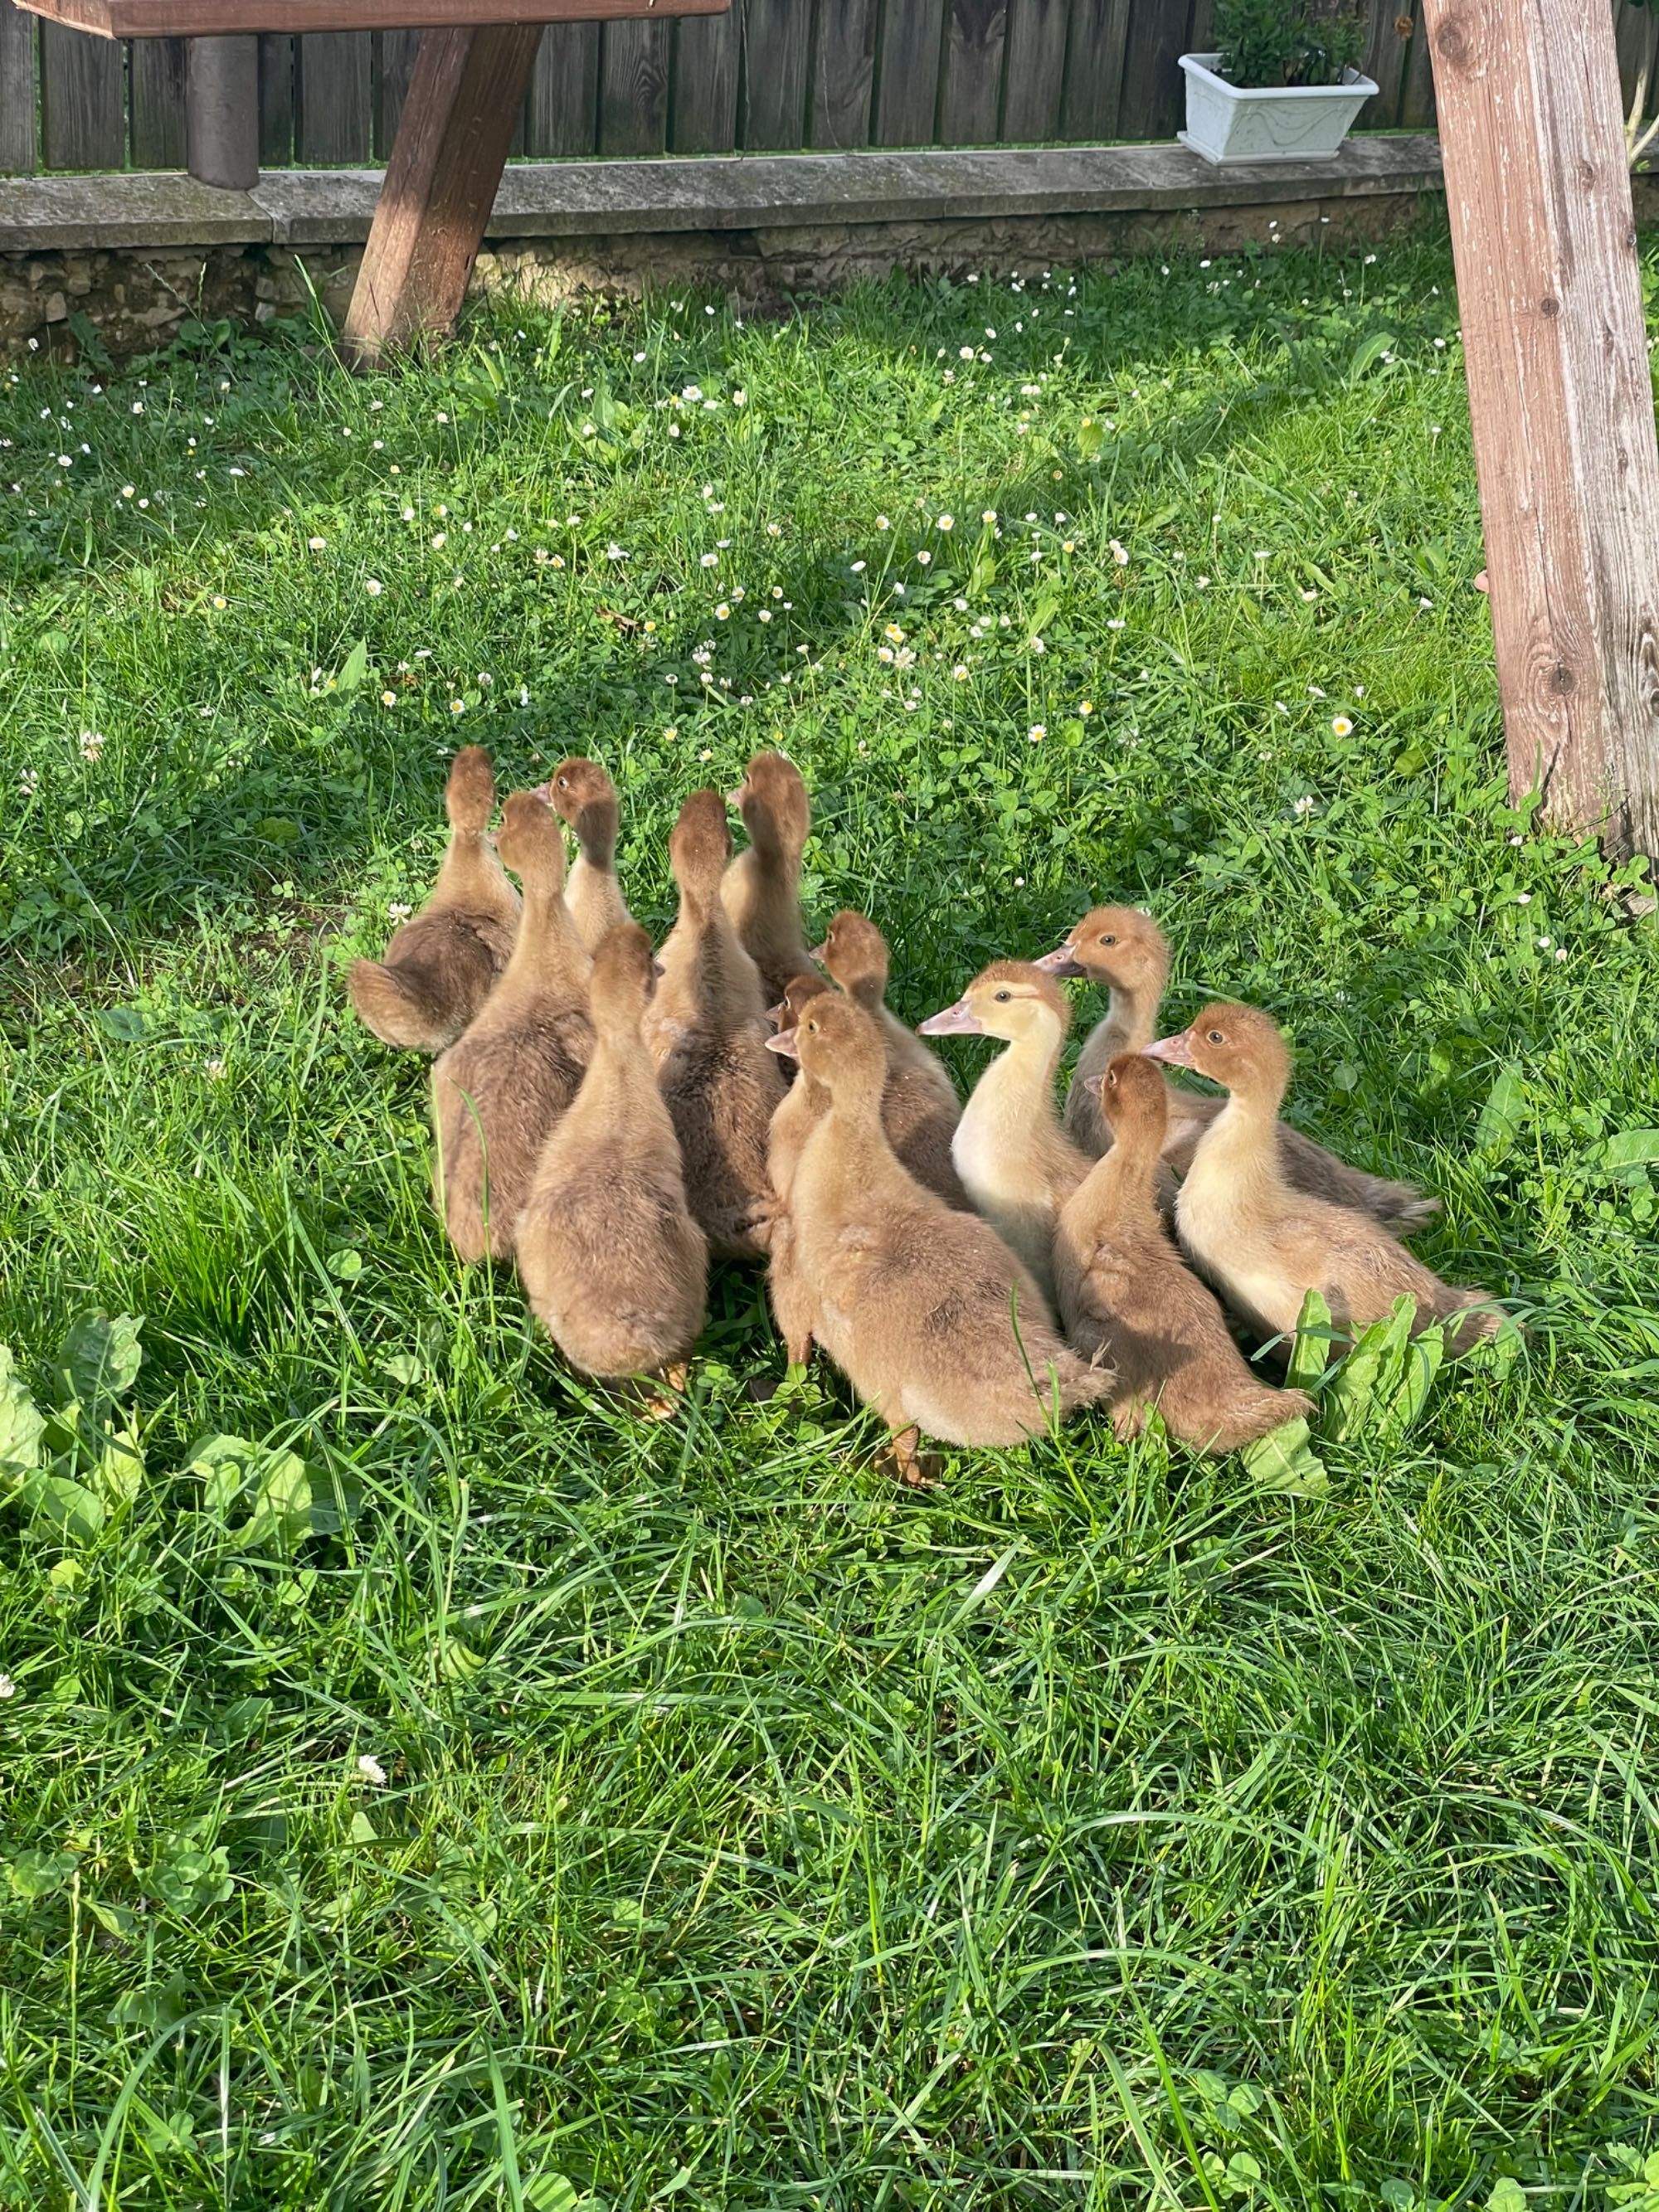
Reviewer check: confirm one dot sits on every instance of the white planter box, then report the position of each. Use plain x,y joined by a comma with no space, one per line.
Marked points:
1268,123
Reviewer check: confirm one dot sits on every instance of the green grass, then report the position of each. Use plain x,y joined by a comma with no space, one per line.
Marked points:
1100,1829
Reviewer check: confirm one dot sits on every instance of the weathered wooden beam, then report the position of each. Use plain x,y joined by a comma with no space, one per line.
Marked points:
198,19
1544,238
458,123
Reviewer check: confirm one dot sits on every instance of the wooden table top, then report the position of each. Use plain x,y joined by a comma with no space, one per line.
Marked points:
170,19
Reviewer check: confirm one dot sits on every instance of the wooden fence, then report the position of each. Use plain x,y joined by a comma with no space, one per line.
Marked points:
774,74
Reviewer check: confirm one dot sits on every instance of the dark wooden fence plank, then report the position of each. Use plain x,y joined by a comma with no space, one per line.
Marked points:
1636,30
1036,68
275,100
156,95
1154,90
843,72
970,97
83,122
708,61
1091,102
18,152
563,111
906,79
395,52
634,87
1385,59
334,118
776,41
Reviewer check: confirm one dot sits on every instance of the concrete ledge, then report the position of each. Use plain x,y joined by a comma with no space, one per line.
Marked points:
586,199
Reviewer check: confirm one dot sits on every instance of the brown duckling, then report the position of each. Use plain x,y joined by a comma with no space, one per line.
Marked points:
931,1318
502,1086
920,1109
1016,1164
582,794
1126,952
803,1106
706,1029
1259,1240
1127,1299
616,1268
761,888
440,968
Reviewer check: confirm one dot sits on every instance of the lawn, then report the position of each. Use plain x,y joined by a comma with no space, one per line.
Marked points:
423,1785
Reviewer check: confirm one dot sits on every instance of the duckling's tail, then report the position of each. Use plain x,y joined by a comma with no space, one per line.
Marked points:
396,1014
1081,1383
469,794
1257,1415
1400,1208
1481,1316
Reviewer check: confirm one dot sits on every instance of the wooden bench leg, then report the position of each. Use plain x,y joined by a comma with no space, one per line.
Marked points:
440,184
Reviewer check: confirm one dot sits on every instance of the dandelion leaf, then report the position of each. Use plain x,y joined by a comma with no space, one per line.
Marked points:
21,1426
1286,1462
1314,1335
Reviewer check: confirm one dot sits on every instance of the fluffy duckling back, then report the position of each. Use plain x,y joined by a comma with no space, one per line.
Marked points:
616,1268
804,1106
1126,952
706,1031
1016,1164
761,891
1127,1298
499,1088
932,1318
440,968
920,1109
1260,1240
582,794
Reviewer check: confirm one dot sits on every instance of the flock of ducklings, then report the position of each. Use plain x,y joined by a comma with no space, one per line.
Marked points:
608,1117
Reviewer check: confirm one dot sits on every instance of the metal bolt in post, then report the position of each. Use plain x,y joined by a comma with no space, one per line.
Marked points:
222,112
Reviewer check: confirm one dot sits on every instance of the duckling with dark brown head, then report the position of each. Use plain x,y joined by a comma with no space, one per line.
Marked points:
582,794
1261,1241
1127,1298
934,1321
502,1086
761,891
706,1031
440,968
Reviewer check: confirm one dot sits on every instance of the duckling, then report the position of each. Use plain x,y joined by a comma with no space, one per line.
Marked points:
1261,1241
920,1109
502,1086
440,968
706,1031
761,891
1126,1296
934,1321
616,1268
803,1106
1126,951
582,794
1016,1164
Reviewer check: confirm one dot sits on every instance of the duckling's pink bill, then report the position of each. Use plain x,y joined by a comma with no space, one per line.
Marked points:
783,1044
1176,1049
778,1015
1060,962
959,1020
819,952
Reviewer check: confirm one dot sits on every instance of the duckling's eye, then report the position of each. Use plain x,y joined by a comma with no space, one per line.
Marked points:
1109,940
1111,1082
1216,1038
1003,997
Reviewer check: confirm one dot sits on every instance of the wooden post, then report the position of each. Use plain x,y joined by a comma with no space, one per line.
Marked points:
222,112
1531,133
441,182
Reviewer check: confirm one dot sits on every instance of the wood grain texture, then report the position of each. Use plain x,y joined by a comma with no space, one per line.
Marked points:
1092,105
395,53
971,95
276,101
157,19
1154,90
843,73
708,61
1036,87
1417,91
439,186
912,43
633,64
83,102
333,98
1561,400
156,100
18,34
1385,61
561,114
776,47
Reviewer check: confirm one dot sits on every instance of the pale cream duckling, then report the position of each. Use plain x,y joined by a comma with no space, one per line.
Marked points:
582,794
1127,1299
1126,952
440,968
1261,1241
1016,1164
929,1314
803,1106
615,1269
499,1088
706,1031
920,1109
761,888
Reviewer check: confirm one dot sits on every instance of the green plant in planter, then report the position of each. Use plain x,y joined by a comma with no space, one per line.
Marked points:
1272,42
